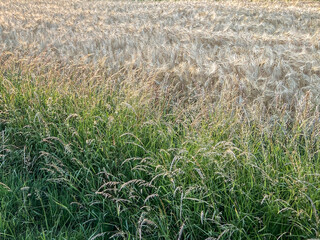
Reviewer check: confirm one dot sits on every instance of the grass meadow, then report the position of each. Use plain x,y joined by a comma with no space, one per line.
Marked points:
159,120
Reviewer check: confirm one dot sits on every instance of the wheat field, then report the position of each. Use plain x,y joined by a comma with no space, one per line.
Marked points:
159,120
261,53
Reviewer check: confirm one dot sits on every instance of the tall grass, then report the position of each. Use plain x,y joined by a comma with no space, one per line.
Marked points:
102,164
171,120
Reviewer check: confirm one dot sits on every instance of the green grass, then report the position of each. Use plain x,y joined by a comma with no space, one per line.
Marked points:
91,164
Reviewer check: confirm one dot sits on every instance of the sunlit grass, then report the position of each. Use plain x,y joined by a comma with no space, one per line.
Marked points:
100,165
159,120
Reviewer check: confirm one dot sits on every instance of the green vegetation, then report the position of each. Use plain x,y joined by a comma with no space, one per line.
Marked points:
93,163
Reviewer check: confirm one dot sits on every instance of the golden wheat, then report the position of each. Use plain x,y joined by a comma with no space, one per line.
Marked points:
259,53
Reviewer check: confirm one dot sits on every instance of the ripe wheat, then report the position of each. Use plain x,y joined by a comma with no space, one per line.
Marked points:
263,53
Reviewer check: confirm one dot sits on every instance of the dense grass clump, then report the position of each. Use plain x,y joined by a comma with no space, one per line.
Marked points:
86,163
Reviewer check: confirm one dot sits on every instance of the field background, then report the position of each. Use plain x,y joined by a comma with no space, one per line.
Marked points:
159,120
259,52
